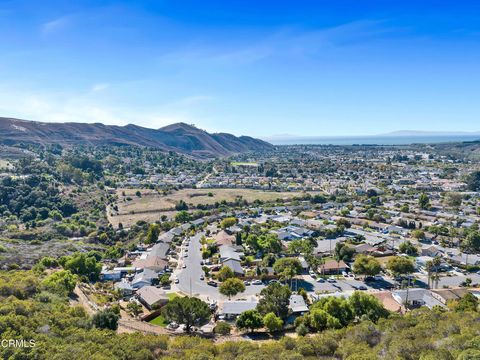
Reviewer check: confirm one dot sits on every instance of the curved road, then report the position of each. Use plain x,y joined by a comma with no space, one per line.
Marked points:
189,278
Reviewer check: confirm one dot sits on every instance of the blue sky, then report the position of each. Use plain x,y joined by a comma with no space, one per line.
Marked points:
324,68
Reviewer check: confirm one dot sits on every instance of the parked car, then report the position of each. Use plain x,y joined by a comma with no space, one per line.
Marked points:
202,277
176,281
246,282
331,280
257,282
172,326
184,266
212,283
362,287
185,255
321,280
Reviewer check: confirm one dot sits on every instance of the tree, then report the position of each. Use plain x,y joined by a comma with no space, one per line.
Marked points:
61,282
467,303
227,222
366,265
408,248
424,201
188,311
222,328
337,307
343,252
152,233
106,319
83,265
399,265
365,305
319,319
473,181
418,234
274,298
134,308
287,268
250,320
225,273
182,216
181,205
272,322
454,200
232,287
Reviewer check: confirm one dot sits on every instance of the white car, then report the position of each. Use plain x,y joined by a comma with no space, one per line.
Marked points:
257,282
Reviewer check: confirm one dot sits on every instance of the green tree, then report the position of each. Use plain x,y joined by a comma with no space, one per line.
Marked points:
83,265
468,302
287,268
225,273
227,222
473,181
367,306
408,248
182,216
274,298
249,320
366,265
232,287
60,282
399,265
418,234
134,308
186,310
106,319
272,322
152,233
222,328
424,201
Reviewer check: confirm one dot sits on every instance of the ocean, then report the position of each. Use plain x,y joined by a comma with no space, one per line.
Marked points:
374,140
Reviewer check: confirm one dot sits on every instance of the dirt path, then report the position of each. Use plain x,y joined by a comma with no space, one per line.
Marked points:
82,299
129,325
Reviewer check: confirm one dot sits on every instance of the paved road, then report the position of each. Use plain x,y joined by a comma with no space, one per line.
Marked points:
189,278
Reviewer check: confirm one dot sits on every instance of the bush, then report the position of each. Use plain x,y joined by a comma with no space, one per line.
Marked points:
222,328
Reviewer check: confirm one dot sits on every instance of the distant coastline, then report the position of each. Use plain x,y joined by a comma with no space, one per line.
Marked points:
371,140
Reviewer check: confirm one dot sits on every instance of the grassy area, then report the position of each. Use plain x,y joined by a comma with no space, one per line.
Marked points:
172,296
152,205
159,321
235,163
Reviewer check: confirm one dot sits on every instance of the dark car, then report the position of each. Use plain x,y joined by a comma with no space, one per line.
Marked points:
212,283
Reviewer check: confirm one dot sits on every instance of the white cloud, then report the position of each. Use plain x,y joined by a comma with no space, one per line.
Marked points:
99,87
62,107
55,25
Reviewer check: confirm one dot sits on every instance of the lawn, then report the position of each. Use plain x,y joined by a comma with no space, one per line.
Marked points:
159,321
152,205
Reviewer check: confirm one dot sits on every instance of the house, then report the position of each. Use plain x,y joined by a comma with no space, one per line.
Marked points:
446,295
229,252
198,222
160,249
332,267
388,302
416,297
234,265
231,309
124,288
297,304
167,237
110,275
431,251
223,238
152,297
145,278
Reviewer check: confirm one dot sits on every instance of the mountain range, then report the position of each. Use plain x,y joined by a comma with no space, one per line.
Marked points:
179,137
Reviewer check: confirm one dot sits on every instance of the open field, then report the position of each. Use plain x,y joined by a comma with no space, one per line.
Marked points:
151,205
